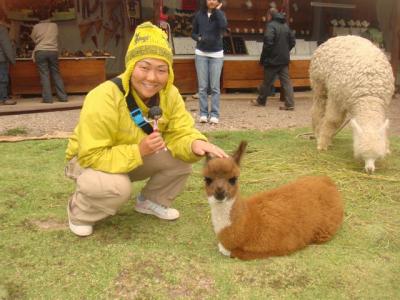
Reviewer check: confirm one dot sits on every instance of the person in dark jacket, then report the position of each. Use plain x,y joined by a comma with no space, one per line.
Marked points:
7,56
209,24
275,56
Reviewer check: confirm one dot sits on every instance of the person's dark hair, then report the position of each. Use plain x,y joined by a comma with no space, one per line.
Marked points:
165,9
202,5
43,14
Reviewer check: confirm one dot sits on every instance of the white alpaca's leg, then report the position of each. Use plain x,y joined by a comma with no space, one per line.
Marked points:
332,120
223,250
318,107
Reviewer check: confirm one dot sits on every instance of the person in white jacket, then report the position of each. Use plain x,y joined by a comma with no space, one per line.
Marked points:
45,55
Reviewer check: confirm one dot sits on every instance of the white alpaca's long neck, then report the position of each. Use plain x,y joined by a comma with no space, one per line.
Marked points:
368,110
221,213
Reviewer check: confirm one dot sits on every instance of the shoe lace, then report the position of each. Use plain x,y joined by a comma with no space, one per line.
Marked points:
159,208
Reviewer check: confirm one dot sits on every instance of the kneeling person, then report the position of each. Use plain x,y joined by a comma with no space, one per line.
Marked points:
108,149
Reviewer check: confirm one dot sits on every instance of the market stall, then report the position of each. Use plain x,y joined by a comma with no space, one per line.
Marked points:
106,26
80,74
313,21
92,40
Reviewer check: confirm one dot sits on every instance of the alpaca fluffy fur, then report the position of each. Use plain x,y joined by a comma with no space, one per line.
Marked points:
351,76
271,223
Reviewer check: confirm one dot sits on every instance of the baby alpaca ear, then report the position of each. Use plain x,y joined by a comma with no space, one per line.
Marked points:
237,156
208,157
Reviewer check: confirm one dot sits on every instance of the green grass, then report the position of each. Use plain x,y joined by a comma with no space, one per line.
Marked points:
133,256
15,131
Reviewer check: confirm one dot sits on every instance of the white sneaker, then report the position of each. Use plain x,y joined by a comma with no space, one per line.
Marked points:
158,210
79,230
214,120
203,119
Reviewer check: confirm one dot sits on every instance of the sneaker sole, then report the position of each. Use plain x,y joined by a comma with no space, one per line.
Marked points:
74,230
79,233
150,212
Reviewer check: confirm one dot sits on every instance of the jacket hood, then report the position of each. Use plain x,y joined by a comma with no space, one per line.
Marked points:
279,17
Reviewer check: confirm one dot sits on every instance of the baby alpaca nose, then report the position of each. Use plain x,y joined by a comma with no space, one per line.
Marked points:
219,194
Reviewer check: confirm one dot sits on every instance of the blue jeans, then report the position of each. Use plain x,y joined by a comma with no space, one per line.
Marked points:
3,81
47,63
208,71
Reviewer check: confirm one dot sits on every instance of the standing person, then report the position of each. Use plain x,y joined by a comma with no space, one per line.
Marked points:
209,24
111,147
279,39
45,55
7,56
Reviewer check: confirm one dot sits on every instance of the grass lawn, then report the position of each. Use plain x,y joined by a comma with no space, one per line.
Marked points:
134,256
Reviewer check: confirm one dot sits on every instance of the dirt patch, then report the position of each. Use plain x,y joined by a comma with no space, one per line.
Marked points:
236,114
49,224
266,277
147,278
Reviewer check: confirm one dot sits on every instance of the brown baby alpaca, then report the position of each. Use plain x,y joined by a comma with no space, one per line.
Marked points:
271,223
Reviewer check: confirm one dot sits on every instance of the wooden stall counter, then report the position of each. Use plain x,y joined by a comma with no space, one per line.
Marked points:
246,72
80,74
185,74
239,72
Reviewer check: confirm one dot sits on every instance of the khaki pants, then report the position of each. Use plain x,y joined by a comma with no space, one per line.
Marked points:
99,194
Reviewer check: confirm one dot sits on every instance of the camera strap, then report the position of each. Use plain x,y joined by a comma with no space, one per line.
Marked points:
134,110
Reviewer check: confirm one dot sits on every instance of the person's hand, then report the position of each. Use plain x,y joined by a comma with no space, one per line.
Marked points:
200,148
151,144
219,6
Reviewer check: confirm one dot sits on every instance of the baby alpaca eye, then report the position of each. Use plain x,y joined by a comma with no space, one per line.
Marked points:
232,180
207,180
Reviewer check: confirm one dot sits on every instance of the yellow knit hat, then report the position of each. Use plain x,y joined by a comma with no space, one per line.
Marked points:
148,41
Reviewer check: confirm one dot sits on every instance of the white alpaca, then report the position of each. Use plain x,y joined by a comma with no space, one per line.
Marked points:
351,76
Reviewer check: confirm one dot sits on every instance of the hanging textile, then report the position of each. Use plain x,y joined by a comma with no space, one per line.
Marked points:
188,4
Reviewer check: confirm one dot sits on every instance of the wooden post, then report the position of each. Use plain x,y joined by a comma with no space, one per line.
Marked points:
395,51
156,16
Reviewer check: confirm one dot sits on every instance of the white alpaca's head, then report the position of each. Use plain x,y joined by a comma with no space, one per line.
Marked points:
221,176
370,143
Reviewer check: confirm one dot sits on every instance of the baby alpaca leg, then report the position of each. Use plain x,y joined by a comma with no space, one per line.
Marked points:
322,236
318,107
224,251
330,123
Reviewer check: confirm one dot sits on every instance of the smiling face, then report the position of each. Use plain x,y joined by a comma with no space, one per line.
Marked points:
149,76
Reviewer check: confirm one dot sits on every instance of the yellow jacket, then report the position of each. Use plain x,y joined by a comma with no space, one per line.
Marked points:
107,139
